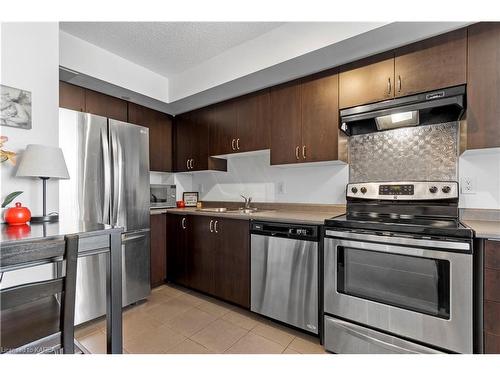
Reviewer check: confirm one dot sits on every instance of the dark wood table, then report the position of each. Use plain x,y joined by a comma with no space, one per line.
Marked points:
33,245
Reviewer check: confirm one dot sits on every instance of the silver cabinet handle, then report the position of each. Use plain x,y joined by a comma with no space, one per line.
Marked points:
211,225
389,86
238,144
187,163
215,226
183,223
192,163
232,145
297,152
399,83
304,151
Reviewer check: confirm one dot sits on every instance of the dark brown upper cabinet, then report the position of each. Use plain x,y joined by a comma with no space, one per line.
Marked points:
304,121
192,142
223,130
483,86
286,137
320,120
160,135
71,96
431,64
254,128
105,105
241,125
367,81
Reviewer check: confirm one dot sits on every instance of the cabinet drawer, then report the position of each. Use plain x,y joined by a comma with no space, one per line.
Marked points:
492,285
492,254
491,343
492,317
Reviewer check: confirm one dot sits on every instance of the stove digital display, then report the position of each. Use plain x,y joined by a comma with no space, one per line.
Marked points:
396,190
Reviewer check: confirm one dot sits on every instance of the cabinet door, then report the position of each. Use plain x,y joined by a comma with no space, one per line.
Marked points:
201,262
232,261
105,105
158,268
160,135
223,130
183,141
285,124
320,119
483,86
491,297
199,137
431,64
71,97
368,83
254,128
177,251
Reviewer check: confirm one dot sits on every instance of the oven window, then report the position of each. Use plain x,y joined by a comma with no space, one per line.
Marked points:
412,283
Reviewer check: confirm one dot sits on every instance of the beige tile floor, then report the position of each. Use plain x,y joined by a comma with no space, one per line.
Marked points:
179,321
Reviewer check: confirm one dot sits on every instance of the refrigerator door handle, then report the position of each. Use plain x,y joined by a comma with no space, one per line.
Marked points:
116,178
107,176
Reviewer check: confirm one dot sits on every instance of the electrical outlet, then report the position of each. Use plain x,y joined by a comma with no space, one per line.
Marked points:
281,187
468,185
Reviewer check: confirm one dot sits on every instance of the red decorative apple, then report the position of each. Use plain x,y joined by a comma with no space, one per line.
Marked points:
17,215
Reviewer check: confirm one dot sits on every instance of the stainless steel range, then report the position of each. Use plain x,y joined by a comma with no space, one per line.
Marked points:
398,271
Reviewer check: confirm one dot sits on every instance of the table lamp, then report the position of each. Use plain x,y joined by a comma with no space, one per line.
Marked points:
43,162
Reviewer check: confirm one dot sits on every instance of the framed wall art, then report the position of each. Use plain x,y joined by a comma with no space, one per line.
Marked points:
15,107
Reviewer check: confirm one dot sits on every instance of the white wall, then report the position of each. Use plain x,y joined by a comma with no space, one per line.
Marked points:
29,60
84,57
325,184
253,176
483,167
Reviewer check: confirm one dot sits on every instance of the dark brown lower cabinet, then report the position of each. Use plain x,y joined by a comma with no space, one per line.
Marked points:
492,297
158,248
232,261
177,251
210,254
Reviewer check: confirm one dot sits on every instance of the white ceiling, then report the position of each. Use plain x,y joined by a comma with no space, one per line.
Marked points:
214,61
167,48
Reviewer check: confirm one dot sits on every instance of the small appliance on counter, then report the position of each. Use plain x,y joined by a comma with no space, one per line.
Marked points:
162,196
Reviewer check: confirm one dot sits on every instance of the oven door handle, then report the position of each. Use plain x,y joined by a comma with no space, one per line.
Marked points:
461,246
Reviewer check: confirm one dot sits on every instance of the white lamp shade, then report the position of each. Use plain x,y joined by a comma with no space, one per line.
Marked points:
42,161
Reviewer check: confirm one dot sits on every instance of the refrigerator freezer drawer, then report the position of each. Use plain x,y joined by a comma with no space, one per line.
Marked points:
284,280
91,277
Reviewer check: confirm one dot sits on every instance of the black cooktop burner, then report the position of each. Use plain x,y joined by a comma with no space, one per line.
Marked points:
431,226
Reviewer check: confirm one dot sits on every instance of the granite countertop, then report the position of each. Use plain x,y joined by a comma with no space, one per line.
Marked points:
293,214
485,223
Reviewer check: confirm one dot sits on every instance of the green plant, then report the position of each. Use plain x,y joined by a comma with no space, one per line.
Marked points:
9,198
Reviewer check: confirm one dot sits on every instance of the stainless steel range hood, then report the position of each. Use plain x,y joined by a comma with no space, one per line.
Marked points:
422,109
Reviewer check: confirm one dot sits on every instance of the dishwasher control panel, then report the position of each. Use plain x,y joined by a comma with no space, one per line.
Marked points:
298,231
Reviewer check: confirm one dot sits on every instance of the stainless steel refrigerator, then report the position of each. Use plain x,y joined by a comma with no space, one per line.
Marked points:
108,163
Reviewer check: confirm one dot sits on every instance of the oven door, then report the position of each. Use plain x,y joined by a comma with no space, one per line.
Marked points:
415,288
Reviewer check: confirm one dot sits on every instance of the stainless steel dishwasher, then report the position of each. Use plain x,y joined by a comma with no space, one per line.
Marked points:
284,273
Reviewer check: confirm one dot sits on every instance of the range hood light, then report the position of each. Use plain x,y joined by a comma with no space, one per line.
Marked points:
397,120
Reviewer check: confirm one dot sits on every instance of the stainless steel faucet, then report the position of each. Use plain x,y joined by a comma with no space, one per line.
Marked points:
248,200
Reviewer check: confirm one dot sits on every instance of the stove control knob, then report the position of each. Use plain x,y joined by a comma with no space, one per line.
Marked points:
363,190
446,189
433,189
354,189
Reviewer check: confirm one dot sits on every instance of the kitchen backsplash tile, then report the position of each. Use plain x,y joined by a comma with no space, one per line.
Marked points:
421,153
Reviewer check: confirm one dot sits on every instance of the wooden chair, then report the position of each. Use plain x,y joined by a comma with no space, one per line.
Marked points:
32,318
